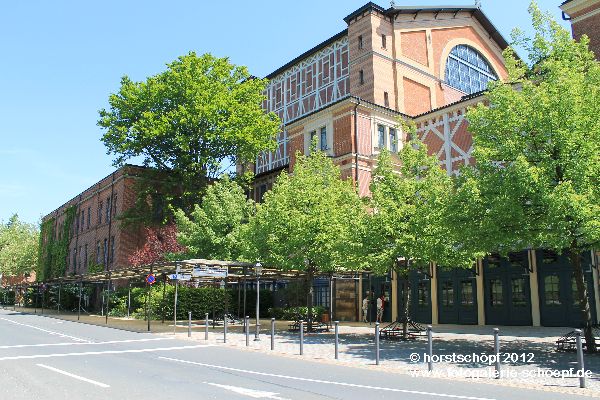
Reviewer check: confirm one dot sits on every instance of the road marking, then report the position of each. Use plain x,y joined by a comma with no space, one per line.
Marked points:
81,378
354,385
97,353
18,346
46,330
257,394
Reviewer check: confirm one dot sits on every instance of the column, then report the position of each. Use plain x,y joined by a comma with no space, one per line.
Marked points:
534,289
479,282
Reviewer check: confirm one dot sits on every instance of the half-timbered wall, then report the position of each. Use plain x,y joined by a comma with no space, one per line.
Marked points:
308,86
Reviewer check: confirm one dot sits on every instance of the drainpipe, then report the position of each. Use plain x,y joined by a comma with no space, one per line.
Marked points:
356,142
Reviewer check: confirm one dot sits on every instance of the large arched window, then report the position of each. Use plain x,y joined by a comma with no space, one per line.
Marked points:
467,70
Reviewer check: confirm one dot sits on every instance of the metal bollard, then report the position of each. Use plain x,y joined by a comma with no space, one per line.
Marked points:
337,339
189,324
580,365
225,329
272,333
206,326
376,343
301,337
430,347
497,351
246,322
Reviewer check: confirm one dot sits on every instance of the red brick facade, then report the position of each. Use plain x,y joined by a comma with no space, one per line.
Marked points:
585,20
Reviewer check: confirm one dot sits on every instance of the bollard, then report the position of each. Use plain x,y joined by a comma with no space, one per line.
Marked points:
272,333
301,337
580,365
497,351
206,326
189,324
430,347
376,343
337,339
246,322
225,329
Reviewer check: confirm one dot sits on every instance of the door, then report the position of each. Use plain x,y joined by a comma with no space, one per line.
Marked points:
420,304
457,296
373,287
507,289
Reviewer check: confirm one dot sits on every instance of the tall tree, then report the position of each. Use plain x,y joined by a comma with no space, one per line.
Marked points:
311,221
191,123
409,220
212,230
537,145
19,243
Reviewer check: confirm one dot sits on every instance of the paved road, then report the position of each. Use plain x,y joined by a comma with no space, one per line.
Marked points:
46,358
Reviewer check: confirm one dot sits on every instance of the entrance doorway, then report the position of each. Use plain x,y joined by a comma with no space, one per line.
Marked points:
457,296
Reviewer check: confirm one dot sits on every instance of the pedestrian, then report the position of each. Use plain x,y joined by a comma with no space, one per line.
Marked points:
380,306
365,308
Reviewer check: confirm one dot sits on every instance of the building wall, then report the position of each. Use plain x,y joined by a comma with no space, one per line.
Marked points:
585,20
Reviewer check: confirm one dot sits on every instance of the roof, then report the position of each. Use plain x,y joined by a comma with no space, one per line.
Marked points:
396,10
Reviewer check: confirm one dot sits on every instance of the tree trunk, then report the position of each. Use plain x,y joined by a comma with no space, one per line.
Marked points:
310,279
584,304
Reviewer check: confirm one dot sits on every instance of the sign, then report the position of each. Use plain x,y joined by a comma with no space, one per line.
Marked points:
180,277
208,271
151,279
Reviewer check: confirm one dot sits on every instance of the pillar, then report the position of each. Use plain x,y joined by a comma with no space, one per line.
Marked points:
534,289
434,295
479,282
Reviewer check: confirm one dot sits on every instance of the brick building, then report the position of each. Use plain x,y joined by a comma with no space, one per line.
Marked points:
97,237
428,65
585,19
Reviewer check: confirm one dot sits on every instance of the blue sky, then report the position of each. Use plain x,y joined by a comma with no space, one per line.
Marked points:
61,59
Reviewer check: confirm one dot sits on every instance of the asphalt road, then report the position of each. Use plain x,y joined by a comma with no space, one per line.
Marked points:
46,358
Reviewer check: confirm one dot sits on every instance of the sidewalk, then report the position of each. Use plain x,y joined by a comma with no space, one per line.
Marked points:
527,351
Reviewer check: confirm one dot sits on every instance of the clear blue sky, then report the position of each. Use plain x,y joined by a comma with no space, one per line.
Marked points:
61,59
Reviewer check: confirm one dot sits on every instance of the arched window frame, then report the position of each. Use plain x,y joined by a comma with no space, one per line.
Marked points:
472,70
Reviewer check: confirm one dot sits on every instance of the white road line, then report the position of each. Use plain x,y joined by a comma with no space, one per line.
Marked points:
18,346
46,330
354,385
257,394
81,378
98,353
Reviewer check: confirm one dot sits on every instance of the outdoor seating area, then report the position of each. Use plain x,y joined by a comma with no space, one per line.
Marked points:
318,325
395,330
568,342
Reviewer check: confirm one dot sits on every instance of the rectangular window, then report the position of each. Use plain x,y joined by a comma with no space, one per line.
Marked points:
75,259
261,192
81,264
552,290
423,294
496,293
105,254
360,42
100,213
361,77
383,41
313,138
82,220
323,138
112,249
107,219
89,217
386,99
466,296
85,256
114,205
381,136
76,224
393,141
98,253
447,294
518,292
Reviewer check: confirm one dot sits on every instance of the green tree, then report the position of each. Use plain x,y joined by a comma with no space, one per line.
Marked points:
536,182
311,220
409,220
19,243
190,123
212,230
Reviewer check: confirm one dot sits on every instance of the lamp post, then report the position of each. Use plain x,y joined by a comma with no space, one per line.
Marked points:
258,271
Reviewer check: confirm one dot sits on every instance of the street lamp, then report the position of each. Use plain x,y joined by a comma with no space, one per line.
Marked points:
258,271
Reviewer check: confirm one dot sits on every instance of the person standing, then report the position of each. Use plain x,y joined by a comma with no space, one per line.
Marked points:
365,308
380,306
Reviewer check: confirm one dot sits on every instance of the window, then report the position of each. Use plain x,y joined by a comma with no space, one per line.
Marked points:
518,292
100,213
82,225
323,138
386,99
105,258
313,136
467,70
261,192
98,253
89,217
496,292
423,294
107,219
114,205
383,41
466,294
360,42
381,136
74,259
85,256
393,141
447,294
81,264
552,290
361,77
76,224
112,249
